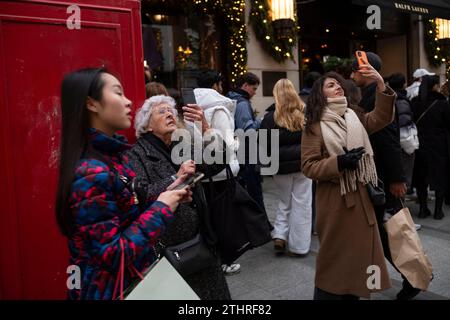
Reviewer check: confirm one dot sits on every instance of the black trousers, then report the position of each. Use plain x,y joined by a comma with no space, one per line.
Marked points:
251,180
421,181
320,294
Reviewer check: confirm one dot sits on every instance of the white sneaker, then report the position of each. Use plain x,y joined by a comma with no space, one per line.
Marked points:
418,226
231,268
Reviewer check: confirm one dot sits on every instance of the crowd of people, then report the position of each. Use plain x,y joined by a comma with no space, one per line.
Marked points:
335,137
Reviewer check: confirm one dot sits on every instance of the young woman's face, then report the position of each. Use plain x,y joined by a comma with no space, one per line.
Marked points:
113,112
332,88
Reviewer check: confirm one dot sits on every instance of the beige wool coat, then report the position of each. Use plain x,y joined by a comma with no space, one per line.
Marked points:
346,225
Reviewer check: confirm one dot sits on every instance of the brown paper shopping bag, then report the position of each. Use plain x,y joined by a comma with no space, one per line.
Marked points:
406,250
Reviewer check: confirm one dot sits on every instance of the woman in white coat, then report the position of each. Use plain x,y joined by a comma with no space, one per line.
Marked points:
219,113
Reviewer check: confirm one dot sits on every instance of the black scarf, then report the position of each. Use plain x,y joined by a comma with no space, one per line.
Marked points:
243,93
199,201
162,148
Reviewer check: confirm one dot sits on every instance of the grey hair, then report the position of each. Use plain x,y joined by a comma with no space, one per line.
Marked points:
143,114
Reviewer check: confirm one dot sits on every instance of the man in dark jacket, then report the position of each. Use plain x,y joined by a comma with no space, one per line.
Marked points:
309,81
246,86
388,160
432,113
397,82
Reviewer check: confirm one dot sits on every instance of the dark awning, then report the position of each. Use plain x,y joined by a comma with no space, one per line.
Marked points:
429,8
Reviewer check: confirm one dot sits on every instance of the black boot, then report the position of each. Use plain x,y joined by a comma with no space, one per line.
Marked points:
424,211
447,197
423,198
438,213
408,291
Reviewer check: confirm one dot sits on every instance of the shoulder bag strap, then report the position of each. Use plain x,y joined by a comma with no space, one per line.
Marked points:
120,273
428,109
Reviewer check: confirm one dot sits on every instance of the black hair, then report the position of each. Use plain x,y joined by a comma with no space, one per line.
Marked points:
247,77
75,90
208,78
353,92
316,99
426,86
311,77
396,81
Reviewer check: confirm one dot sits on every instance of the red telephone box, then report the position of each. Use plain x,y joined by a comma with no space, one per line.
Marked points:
36,49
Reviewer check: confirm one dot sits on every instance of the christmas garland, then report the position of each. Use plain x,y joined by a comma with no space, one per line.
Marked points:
278,49
233,11
436,56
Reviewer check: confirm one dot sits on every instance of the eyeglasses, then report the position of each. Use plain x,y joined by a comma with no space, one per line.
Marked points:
163,110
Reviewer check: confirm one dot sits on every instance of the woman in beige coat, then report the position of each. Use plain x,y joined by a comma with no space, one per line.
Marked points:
336,152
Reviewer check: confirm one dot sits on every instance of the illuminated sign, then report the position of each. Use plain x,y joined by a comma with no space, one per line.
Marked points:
410,8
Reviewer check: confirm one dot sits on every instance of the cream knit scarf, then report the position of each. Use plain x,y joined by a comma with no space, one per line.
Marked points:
341,128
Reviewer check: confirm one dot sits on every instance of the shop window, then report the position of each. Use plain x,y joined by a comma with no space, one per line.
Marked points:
177,46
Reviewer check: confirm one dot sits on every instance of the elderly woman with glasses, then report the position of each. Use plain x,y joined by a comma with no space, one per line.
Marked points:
155,169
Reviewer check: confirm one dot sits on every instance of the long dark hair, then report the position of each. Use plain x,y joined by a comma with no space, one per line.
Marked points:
426,86
75,90
316,99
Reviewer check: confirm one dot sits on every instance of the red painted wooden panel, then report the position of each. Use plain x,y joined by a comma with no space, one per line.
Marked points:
36,50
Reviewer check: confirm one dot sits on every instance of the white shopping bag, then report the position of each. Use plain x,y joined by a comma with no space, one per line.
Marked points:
162,282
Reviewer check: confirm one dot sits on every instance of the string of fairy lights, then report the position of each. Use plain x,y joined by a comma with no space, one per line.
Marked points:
234,13
281,49
435,52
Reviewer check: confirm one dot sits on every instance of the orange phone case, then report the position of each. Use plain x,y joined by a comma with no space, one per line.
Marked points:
361,57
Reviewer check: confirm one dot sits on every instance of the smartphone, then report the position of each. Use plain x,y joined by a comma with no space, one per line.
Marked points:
190,182
361,57
188,96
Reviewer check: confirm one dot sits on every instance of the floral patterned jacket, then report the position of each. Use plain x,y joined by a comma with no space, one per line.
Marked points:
105,215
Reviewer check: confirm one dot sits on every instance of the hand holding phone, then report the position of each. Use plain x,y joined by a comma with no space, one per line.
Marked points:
188,96
190,181
361,57
194,113
173,198
368,71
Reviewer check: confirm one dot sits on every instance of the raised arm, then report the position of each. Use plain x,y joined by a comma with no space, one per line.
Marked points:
383,113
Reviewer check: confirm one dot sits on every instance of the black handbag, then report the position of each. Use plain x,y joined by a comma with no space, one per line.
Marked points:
376,193
189,257
238,221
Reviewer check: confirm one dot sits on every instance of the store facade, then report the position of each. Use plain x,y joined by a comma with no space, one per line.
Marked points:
401,39
215,35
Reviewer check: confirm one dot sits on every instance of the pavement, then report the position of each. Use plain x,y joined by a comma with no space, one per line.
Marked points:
266,276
